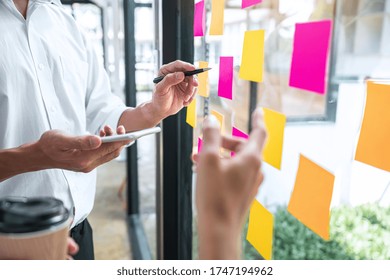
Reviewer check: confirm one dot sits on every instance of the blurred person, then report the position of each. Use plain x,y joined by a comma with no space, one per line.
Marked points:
226,187
53,95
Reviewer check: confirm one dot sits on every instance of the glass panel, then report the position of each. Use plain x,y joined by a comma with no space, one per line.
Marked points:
144,36
278,19
363,39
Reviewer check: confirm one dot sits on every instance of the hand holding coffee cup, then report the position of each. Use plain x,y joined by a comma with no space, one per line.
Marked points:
34,228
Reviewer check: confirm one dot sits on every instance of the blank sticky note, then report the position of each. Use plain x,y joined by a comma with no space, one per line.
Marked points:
217,17
374,142
310,56
275,123
191,113
219,117
311,197
260,229
225,82
238,133
200,142
248,3
199,19
253,56
203,80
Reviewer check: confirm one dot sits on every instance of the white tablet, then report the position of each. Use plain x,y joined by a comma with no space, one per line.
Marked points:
131,136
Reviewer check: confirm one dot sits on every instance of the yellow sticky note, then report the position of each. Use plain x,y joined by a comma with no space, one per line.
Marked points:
203,79
275,123
260,229
217,17
373,147
220,118
311,197
191,113
252,63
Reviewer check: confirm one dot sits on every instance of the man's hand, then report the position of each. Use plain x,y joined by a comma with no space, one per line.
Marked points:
175,91
79,153
170,95
226,187
73,248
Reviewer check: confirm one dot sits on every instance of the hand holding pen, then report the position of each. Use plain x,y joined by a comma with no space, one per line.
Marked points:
186,73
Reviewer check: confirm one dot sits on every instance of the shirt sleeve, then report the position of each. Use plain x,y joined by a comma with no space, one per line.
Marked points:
102,106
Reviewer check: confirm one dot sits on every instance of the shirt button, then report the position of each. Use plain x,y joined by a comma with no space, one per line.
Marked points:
52,109
40,66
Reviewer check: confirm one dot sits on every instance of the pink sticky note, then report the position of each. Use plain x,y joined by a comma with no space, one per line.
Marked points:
238,133
310,55
225,84
248,3
200,142
199,19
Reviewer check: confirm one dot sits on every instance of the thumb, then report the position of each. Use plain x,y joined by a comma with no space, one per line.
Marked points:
258,136
169,81
211,136
87,142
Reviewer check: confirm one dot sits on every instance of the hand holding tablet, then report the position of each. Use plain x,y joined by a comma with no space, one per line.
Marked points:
131,136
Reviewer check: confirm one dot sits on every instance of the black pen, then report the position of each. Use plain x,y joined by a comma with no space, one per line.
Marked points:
187,73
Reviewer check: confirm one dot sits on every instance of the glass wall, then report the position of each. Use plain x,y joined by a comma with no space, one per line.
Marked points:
359,50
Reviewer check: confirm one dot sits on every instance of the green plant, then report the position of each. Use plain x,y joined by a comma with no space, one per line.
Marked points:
361,233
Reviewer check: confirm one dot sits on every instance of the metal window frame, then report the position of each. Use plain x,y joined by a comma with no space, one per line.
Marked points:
137,236
178,43
174,148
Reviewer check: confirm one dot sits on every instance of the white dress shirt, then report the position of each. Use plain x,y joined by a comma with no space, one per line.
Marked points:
50,78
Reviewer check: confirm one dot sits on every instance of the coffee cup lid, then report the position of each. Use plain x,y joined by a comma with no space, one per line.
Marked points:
22,215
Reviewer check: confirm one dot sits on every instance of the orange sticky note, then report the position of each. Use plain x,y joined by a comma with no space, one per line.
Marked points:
217,17
311,197
191,113
220,118
203,79
275,123
373,147
260,229
253,56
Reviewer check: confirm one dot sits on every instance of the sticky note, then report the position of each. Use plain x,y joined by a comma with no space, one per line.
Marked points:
260,229
275,123
217,17
373,146
253,56
238,133
225,82
311,197
310,56
248,3
199,19
191,113
203,80
200,142
219,117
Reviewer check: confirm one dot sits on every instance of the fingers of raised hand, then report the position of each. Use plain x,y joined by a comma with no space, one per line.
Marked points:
233,144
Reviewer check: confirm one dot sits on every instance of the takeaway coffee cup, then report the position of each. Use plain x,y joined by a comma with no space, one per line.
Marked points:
33,228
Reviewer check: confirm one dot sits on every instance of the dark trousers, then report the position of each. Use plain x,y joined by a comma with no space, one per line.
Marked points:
82,234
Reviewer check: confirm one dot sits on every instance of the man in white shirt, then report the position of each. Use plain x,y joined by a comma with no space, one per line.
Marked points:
53,95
